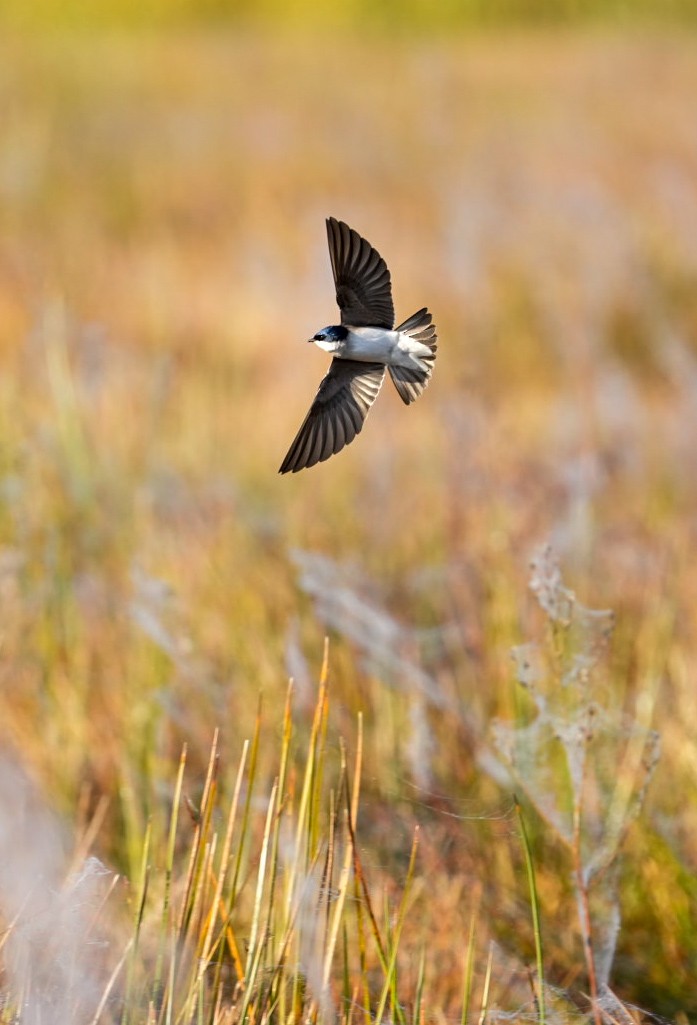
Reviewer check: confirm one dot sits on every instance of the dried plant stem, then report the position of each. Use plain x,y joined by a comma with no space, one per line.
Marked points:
534,904
389,987
584,913
469,958
142,893
110,984
345,875
487,984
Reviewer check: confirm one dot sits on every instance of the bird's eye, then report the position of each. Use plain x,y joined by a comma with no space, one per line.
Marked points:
320,336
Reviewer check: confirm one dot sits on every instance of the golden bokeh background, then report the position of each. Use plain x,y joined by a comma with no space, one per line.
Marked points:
529,175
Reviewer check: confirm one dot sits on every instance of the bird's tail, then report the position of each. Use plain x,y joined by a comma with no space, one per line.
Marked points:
411,381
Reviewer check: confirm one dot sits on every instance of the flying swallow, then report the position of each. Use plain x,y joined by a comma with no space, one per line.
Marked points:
363,344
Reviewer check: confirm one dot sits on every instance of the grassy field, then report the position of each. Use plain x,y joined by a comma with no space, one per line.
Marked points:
350,850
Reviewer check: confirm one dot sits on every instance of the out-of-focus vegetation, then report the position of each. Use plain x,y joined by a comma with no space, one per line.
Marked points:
162,261
399,17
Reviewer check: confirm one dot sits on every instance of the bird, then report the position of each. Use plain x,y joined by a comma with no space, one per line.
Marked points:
362,346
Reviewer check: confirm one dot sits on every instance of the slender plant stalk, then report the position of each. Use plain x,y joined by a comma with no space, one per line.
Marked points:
140,912
244,826
305,850
281,790
224,861
169,868
584,907
198,924
228,936
110,984
389,986
257,938
487,983
325,889
419,999
169,1004
319,759
342,888
193,857
534,904
284,802
346,978
305,806
357,866
469,963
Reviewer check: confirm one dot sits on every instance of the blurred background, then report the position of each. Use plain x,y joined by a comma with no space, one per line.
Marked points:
529,172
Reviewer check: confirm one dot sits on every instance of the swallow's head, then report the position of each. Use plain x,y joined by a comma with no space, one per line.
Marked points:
329,338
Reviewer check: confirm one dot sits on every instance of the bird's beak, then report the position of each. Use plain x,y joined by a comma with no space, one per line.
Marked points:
310,340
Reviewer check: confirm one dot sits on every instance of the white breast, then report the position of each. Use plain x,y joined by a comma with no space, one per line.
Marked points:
371,344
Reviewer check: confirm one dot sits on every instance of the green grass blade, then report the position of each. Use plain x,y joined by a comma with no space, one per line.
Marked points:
534,904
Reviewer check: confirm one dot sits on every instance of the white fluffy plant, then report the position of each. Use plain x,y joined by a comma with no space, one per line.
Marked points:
583,765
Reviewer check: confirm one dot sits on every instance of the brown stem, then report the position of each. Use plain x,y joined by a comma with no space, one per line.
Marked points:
584,914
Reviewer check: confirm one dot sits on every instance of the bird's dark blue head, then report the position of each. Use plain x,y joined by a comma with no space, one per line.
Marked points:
335,333
329,338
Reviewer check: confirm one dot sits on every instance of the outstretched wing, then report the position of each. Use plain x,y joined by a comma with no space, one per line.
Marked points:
363,287
337,414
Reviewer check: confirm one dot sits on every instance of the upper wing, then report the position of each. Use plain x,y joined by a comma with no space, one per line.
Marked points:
337,414
363,288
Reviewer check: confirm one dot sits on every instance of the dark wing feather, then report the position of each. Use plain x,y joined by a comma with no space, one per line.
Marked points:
337,414
363,287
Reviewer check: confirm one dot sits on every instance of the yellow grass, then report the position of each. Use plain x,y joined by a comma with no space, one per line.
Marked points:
162,261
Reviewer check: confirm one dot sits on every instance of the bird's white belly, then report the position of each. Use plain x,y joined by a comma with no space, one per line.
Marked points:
370,344
378,345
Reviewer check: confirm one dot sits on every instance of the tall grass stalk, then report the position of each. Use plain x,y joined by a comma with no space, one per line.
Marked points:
349,854
535,909
165,931
468,972
484,1006
390,985
141,895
